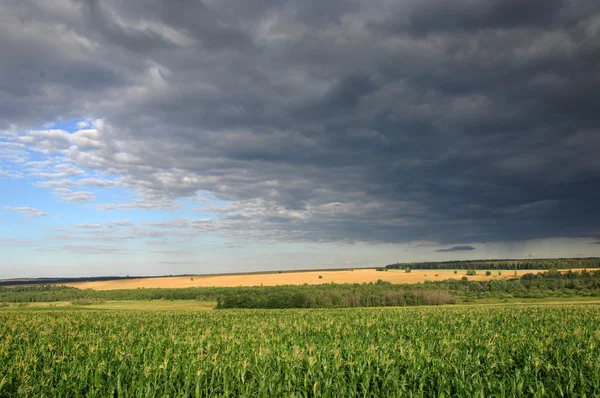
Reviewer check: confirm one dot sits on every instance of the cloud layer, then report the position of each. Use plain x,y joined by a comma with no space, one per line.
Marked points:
457,249
453,122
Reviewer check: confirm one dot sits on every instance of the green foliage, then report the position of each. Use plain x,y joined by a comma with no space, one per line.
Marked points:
379,294
548,284
471,272
407,269
87,301
533,264
526,351
488,273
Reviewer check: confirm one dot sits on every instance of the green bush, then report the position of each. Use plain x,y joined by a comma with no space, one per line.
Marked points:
471,272
87,301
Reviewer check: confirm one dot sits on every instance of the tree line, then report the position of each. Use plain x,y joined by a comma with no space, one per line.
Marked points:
546,284
533,264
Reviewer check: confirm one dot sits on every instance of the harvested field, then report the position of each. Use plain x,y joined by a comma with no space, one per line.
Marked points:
295,278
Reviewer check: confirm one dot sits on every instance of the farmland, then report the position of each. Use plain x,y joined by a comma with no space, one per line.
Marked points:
442,351
294,278
552,284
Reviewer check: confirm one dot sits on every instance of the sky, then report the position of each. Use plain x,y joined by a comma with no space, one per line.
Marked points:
152,137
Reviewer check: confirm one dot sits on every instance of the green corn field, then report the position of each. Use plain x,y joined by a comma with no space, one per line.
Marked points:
415,352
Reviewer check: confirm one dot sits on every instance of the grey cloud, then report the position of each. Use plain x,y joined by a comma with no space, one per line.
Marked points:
453,122
17,242
9,174
93,237
87,226
69,196
146,204
118,224
111,231
106,24
55,183
457,249
95,249
62,171
27,211
466,15
97,182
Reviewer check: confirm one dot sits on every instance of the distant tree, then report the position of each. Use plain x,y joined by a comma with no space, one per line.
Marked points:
553,272
191,278
407,269
488,273
320,276
471,272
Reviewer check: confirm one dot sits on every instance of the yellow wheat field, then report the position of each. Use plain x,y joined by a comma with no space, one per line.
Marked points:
294,278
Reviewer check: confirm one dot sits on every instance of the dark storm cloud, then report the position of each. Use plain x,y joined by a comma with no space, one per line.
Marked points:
457,249
423,17
455,122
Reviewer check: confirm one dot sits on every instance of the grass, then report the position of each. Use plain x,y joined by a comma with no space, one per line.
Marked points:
138,305
156,305
545,300
195,305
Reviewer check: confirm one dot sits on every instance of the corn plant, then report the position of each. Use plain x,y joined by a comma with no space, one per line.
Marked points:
419,352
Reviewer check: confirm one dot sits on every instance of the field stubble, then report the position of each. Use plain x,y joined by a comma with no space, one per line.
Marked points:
296,278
